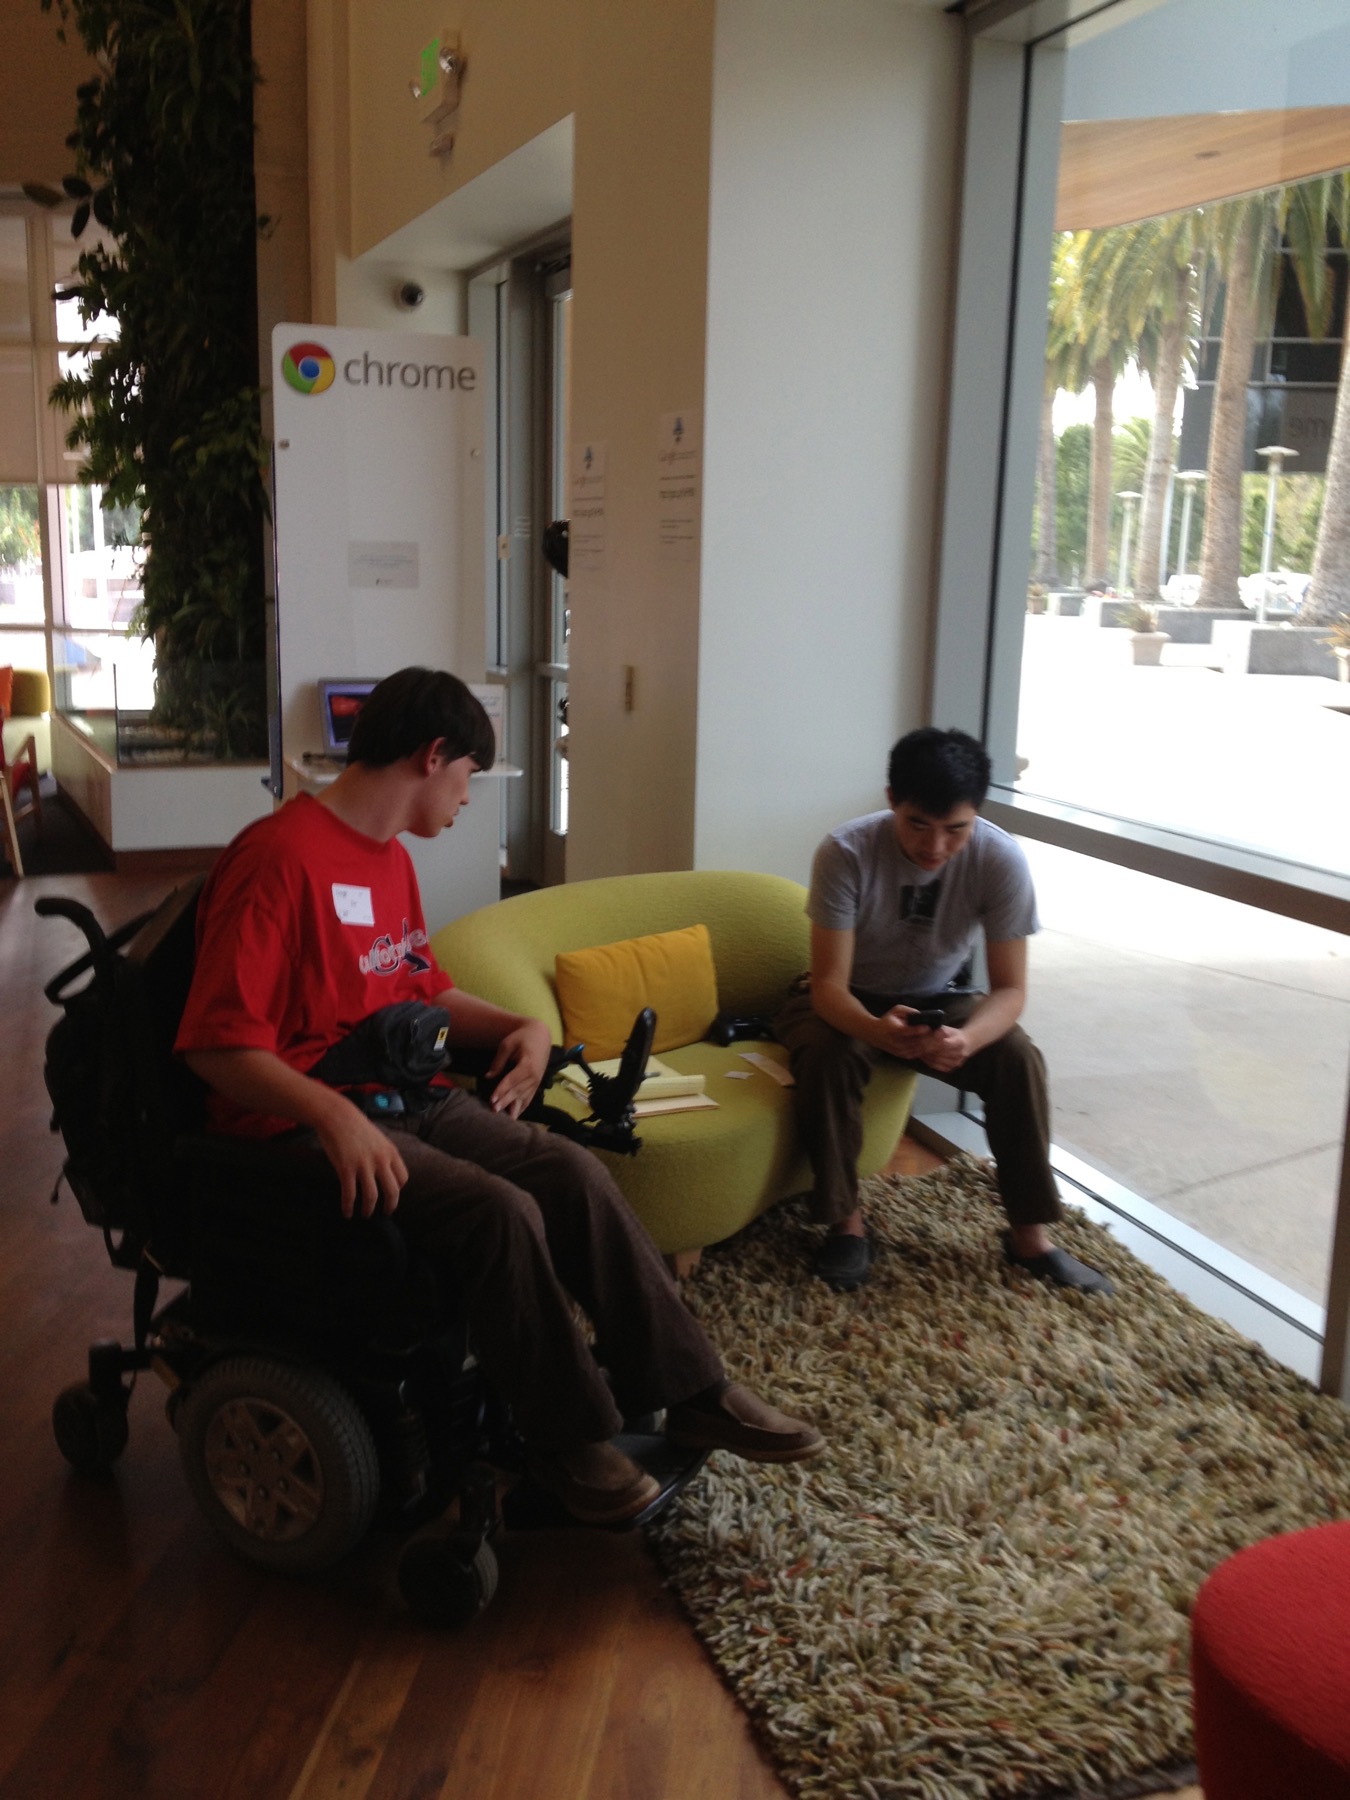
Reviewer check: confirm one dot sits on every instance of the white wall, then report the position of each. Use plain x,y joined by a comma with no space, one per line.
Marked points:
639,262
833,192
366,297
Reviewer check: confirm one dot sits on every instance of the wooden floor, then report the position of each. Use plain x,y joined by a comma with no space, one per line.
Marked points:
140,1661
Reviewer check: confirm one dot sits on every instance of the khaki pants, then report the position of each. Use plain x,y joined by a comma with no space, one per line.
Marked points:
515,1220
832,1071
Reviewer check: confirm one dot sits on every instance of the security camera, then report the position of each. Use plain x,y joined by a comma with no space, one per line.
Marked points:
409,294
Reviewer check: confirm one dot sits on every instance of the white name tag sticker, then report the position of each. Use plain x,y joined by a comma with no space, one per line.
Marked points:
353,904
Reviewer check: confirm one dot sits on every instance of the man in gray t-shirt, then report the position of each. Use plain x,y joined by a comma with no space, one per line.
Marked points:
899,902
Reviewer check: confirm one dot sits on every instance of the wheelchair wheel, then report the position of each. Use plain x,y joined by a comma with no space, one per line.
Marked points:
447,1581
90,1428
281,1461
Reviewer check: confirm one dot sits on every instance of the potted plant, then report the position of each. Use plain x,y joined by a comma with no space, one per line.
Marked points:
1146,640
1036,597
1339,639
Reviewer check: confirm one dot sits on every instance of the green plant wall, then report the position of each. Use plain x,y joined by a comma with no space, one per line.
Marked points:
169,413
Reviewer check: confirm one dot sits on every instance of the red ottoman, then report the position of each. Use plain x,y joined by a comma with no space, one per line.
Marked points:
1270,1666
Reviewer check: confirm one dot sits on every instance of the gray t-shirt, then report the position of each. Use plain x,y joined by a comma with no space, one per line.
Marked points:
914,928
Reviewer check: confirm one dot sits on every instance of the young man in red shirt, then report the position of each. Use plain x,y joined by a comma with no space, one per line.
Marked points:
311,922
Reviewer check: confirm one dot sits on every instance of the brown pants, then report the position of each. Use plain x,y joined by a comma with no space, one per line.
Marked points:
516,1219
832,1071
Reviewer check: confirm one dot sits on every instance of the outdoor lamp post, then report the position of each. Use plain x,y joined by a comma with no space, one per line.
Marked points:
1122,574
1190,480
1165,535
1275,455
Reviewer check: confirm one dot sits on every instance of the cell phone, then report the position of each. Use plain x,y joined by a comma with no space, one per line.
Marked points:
931,1016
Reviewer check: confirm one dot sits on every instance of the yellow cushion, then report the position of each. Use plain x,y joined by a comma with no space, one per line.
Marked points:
32,693
601,991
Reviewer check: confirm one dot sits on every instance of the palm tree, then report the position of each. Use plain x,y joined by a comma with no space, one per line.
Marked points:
1106,369
1246,239
1063,369
1085,316
1149,271
1243,241
1328,596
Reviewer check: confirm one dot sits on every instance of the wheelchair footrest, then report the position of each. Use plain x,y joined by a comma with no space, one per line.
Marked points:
528,1507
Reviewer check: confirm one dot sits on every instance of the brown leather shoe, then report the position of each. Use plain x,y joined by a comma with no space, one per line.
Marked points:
597,1483
739,1421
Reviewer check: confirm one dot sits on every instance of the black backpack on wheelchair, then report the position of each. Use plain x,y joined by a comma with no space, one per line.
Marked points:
318,1379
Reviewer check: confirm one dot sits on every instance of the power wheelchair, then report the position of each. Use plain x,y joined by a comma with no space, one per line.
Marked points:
319,1379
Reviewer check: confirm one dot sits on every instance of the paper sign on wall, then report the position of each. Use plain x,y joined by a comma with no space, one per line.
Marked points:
586,532
382,565
679,477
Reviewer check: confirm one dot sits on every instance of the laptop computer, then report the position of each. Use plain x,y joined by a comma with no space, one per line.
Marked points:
339,703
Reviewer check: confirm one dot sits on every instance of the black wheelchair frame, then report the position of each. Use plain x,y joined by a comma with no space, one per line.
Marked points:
319,1380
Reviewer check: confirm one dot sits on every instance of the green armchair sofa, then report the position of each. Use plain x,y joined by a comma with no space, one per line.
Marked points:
700,1176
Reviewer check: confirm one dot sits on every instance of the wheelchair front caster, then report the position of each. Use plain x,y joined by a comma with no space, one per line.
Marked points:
90,1428
447,1580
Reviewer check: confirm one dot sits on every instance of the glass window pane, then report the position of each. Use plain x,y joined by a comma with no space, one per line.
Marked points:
23,649
1176,667
98,671
14,320
558,760
18,419
1198,1052
66,253
559,617
102,582
72,328
21,601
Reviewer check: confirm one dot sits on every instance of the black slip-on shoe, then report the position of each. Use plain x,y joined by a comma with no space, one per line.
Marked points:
1063,1270
843,1261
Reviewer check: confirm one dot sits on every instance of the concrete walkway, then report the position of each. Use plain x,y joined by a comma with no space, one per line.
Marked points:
1198,1049
1261,760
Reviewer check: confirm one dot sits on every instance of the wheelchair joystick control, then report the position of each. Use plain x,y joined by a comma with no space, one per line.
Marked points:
611,1125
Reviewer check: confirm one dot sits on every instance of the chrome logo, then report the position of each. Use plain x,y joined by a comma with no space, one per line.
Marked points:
308,368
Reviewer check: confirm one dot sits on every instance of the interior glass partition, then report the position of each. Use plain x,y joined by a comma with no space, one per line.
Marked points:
1142,596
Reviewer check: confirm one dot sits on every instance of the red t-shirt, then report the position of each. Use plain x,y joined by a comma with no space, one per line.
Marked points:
304,928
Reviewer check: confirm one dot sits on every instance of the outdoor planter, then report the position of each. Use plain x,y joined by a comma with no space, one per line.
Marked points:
1252,649
1148,646
1195,624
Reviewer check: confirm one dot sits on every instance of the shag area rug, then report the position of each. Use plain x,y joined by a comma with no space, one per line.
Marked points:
982,1587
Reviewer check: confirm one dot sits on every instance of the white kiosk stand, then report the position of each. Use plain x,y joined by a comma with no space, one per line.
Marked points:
380,530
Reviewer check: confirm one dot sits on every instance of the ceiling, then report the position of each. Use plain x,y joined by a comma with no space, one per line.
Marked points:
1115,171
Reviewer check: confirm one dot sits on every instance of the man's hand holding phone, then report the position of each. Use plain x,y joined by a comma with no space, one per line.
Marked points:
906,1031
920,1034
